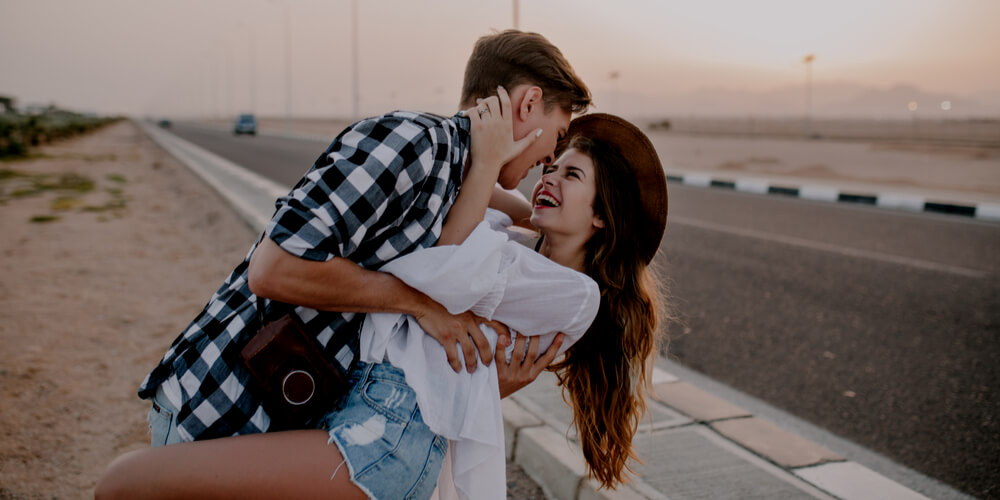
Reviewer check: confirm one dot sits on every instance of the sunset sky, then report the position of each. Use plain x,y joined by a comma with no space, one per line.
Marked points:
207,57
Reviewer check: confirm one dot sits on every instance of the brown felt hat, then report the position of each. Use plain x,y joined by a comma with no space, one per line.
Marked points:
635,147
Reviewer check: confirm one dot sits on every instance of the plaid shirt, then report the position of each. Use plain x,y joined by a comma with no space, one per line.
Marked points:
380,190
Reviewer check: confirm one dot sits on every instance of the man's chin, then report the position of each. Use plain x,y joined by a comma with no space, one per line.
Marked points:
508,181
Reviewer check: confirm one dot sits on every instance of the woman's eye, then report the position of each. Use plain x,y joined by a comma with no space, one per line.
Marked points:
573,174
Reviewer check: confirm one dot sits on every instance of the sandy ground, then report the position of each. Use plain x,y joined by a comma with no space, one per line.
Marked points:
101,270
89,302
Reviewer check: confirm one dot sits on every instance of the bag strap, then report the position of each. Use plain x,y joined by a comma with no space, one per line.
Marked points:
278,309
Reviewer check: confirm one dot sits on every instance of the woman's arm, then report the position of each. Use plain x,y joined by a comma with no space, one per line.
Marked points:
493,145
512,203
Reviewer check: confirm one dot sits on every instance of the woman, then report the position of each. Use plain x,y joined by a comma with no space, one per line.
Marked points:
594,219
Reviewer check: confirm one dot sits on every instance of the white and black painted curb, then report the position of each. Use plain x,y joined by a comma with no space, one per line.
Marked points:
898,201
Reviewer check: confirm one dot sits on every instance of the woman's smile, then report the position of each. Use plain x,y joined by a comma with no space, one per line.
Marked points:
545,199
562,201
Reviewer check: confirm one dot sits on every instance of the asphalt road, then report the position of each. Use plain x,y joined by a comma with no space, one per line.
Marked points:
882,327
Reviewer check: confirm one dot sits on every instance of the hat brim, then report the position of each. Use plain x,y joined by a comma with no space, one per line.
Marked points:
636,148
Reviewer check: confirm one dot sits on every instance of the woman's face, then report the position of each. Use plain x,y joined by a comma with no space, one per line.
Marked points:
563,200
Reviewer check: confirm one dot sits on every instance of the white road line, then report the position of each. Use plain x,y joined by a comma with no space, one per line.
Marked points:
826,247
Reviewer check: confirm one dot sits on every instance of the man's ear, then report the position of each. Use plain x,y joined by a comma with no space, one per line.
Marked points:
530,102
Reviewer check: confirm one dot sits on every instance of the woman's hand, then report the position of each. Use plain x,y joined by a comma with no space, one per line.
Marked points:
523,367
493,145
492,131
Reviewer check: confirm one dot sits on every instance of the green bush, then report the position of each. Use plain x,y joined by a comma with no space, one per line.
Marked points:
19,133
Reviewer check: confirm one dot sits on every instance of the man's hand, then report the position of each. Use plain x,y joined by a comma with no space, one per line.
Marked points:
524,367
449,329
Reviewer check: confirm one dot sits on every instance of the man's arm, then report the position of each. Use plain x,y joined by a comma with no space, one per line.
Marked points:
341,285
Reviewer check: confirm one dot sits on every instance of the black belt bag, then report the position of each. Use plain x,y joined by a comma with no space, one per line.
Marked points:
298,384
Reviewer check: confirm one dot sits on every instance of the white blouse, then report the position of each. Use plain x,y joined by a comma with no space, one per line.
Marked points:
497,279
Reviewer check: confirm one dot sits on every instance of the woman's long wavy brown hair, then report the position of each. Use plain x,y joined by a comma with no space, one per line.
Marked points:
607,373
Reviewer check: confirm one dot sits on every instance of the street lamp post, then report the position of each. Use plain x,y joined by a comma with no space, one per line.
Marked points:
613,76
253,72
517,14
355,108
229,81
808,60
288,65
288,69
214,68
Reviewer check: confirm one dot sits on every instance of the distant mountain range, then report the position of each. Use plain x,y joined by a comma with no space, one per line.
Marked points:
844,100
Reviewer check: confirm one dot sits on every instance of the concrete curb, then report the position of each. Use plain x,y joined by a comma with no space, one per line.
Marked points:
556,463
251,195
888,199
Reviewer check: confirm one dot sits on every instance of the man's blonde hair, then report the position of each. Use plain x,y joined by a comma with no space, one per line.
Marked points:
511,58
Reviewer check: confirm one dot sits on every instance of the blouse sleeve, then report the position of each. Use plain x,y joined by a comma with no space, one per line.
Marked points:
456,276
504,281
545,298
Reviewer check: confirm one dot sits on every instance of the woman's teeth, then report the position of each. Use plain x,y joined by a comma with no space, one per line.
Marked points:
546,200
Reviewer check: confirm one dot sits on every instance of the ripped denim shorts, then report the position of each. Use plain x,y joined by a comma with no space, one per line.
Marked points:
388,449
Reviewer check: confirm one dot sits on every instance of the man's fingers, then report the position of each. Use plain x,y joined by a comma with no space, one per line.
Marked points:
469,349
503,333
485,353
452,353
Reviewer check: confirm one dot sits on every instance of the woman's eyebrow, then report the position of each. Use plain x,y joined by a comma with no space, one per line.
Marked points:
577,169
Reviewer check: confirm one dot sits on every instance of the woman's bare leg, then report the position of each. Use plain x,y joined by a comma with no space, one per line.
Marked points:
292,464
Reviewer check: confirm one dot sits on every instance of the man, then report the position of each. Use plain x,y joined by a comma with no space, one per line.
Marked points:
380,190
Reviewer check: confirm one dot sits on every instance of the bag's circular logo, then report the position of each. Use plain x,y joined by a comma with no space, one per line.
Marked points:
298,387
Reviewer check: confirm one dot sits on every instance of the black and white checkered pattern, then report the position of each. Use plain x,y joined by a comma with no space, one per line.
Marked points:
380,190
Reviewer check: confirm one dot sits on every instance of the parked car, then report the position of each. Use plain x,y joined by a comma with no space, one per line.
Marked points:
164,123
245,124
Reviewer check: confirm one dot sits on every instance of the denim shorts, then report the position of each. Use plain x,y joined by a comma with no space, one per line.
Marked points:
388,449
162,421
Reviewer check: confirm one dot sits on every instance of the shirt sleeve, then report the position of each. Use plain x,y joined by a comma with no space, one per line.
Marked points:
363,182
